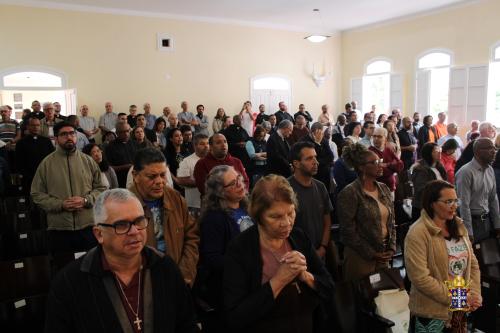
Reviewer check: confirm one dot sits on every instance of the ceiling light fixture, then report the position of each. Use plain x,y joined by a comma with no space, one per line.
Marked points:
317,38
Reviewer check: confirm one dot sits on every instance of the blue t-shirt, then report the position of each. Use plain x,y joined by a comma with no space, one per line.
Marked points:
156,209
240,216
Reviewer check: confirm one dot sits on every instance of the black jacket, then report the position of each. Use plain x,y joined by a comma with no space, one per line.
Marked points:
79,302
278,152
247,301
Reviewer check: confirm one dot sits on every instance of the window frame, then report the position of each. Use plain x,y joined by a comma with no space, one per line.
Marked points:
495,47
376,59
430,51
47,70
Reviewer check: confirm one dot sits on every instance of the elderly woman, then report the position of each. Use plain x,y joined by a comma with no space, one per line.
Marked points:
366,215
223,217
273,279
437,248
108,175
427,169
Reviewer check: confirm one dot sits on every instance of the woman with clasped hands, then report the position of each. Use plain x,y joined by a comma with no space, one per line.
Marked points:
273,279
437,249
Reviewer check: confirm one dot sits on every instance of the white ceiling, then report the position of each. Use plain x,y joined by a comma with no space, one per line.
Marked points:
337,15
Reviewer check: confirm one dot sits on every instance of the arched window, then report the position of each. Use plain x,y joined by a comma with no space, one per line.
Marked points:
493,106
433,82
377,85
270,90
22,85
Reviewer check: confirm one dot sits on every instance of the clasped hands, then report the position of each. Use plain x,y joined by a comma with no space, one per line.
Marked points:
293,264
73,203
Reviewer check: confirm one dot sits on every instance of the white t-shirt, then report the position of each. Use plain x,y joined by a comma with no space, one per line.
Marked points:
457,257
186,169
247,123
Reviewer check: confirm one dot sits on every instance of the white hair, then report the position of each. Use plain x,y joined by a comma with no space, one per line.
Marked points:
46,105
116,195
484,126
380,130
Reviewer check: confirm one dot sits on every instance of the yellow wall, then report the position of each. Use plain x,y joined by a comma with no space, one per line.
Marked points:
468,32
114,57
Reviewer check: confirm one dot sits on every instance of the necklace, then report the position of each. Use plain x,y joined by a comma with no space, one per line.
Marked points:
137,321
274,253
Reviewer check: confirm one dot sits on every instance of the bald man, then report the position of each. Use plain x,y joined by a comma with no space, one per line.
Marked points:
476,188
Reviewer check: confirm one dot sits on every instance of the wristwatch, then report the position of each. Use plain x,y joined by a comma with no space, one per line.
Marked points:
85,202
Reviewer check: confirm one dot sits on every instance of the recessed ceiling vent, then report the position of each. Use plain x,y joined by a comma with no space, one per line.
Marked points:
165,42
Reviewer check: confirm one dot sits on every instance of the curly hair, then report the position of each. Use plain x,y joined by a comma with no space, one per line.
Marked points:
355,155
268,190
214,199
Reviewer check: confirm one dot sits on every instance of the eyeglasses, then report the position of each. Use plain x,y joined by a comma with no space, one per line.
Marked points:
65,134
451,202
123,227
237,181
376,162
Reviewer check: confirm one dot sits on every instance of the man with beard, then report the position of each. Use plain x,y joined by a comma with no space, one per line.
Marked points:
324,155
282,113
66,185
120,153
57,111
314,209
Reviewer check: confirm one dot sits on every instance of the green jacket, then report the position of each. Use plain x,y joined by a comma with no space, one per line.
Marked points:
62,175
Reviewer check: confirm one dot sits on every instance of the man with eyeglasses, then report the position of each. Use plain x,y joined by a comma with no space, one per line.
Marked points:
391,163
172,230
120,285
368,128
476,188
66,185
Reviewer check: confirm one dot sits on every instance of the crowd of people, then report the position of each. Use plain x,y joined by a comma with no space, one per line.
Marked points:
238,211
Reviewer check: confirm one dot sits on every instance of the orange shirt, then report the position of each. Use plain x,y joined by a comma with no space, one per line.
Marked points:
440,130
432,137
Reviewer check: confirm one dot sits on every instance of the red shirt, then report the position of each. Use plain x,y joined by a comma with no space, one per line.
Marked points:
131,292
449,163
394,165
204,165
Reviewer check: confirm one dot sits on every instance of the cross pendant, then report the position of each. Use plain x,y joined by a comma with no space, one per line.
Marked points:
138,322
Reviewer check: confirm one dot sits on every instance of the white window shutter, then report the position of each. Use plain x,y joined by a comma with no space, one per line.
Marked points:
70,95
477,92
357,92
397,91
457,98
422,92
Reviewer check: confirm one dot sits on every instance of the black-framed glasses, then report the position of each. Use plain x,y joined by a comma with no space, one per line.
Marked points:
122,227
451,202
